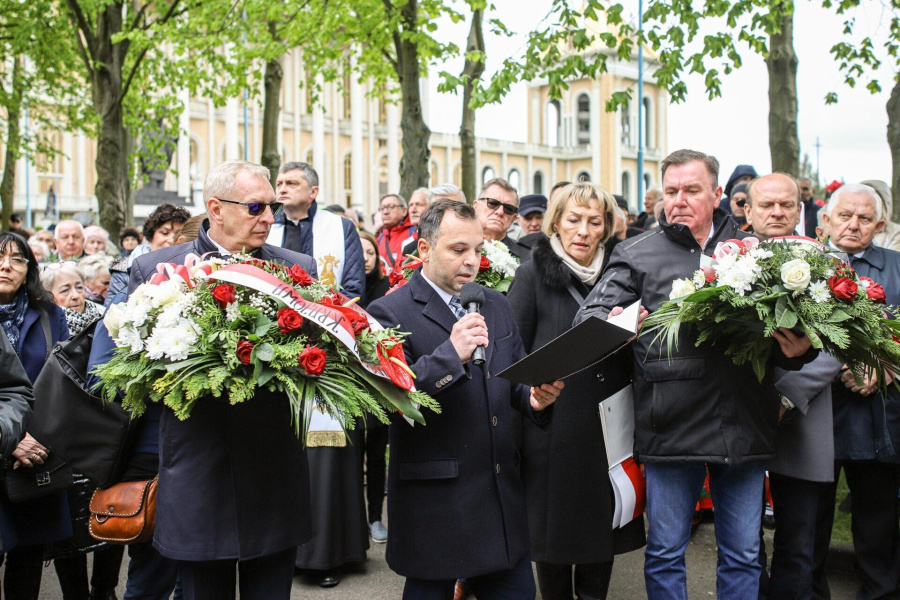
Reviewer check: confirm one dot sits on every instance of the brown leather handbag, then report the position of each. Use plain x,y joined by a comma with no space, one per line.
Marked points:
124,513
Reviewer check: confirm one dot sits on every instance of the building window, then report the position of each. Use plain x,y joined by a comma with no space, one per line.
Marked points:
348,179
626,184
625,117
647,182
583,177
194,159
382,176
538,183
648,124
553,122
309,158
434,173
515,179
457,176
50,164
584,119
487,174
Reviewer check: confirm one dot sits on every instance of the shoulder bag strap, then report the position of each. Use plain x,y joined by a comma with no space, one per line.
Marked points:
45,326
574,292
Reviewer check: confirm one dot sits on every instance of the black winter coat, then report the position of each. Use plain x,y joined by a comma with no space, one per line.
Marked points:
564,466
699,406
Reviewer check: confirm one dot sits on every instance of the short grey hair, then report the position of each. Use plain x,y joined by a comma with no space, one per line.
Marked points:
856,188
34,241
307,172
93,265
428,195
447,189
657,193
78,225
220,179
53,270
399,198
96,231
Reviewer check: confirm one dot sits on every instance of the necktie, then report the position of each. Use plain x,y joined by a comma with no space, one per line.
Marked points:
456,307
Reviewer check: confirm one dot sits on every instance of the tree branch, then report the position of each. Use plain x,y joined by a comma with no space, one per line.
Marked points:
140,57
82,24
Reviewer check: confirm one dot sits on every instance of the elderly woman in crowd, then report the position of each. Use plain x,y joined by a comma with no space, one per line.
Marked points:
95,270
95,239
129,238
29,319
40,249
160,231
66,285
564,467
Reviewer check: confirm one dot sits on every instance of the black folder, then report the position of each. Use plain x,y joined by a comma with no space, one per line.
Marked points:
584,345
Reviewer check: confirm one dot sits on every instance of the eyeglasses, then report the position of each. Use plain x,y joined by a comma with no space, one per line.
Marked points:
509,210
57,265
19,263
387,207
256,208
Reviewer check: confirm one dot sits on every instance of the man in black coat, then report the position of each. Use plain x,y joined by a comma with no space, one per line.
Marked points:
694,408
497,206
866,436
456,502
233,480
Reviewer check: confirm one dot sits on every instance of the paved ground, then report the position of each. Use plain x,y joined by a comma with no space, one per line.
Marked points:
374,581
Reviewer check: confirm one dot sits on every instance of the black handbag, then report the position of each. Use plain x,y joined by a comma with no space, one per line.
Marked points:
28,483
91,435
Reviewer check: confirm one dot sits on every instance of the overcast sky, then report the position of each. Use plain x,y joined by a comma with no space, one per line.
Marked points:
734,127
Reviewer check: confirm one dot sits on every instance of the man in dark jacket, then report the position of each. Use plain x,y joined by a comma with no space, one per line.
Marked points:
329,239
497,206
697,409
233,480
396,232
801,476
741,174
457,504
866,432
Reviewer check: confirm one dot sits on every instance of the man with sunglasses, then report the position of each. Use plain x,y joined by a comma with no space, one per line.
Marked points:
325,236
233,496
496,207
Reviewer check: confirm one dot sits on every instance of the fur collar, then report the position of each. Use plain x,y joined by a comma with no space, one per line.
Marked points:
551,270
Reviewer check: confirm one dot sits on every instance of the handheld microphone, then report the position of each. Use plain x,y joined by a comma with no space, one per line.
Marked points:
471,296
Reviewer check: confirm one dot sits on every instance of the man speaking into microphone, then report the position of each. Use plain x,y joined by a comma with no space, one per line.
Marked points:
456,504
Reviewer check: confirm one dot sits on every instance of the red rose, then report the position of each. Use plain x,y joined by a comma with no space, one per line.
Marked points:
244,350
874,291
224,294
485,264
289,320
843,287
300,276
312,359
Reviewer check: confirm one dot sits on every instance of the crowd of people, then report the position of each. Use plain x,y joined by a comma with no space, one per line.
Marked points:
508,480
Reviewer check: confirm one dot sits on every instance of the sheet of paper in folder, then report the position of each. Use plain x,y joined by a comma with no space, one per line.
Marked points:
584,345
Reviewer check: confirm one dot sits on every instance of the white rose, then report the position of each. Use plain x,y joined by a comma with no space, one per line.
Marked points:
167,292
795,274
682,288
114,319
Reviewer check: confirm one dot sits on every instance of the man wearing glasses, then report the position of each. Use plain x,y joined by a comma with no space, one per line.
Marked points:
396,232
233,496
497,206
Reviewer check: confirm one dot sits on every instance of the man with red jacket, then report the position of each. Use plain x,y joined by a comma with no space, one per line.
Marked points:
396,232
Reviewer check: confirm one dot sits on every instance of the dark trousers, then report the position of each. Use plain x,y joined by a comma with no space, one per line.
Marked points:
264,578
513,584
375,444
591,580
73,578
876,534
22,579
151,576
804,514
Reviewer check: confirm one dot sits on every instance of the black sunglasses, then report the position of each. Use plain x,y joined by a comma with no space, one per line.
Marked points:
509,210
256,208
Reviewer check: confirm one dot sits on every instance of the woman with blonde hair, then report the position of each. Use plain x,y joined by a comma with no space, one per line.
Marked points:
564,466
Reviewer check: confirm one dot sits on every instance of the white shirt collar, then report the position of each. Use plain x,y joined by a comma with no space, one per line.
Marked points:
857,255
712,230
221,248
444,295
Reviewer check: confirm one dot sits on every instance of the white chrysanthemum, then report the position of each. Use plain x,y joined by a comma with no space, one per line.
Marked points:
156,345
699,278
232,312
819,292
760,253
740,277
682,288
130,337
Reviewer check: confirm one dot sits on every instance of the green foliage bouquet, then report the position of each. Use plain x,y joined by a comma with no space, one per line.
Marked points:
754,288
226,328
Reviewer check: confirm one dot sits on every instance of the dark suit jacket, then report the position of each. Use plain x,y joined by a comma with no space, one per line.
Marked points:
233,480
811,216
456,504
868,427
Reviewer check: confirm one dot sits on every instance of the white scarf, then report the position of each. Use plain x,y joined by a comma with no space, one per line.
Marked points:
328,245
588,274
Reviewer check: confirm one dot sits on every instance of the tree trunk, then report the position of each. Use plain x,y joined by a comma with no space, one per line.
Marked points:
784,144
271,150
471,73
893,136
416,134
112,187
13,139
